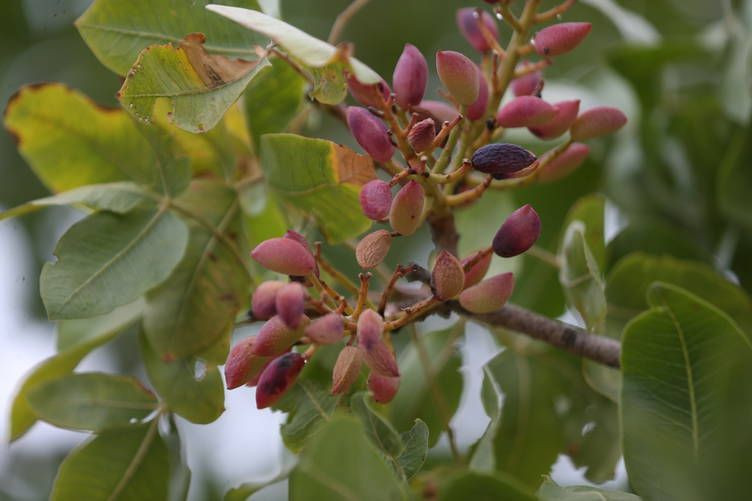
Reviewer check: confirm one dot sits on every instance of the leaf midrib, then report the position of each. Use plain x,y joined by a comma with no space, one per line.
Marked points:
143,449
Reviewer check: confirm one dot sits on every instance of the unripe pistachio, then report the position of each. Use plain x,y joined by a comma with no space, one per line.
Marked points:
518,233
459,76
447,277
597,122
274,337
477,271
284,255
383,388
407,206
528,85
566,114
277,378
440,110
525,111
565,163
560,38
478,108
421,135
502,160
373,248
327,329
375,199
488,295
242,364
376,353
263,300
373,95
346,369
370,133
410,77
467,21
290,303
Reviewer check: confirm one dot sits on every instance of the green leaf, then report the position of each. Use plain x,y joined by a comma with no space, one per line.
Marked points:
76,339
75,332
200,87
329,83
591,211
417,398
735,181
320,178
195,307
107,260
273,99
416,449
687,372
117,31
483,487
70,141
308,50
308,405
92,401
550,491
199,398
247,489
127,465
119,197
632,276
538,407
341,464
378,429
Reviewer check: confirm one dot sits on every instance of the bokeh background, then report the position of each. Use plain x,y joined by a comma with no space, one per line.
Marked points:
685,87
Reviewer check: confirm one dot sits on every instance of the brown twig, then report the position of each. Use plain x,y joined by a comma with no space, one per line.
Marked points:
343,18
553,12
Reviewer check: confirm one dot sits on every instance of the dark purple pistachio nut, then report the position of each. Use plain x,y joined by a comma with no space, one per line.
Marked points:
277,378
502,160
518,233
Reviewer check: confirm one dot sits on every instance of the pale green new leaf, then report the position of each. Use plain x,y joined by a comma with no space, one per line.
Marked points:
127,465
196,306
416,449
107,260
199,398
117,31
687,384
92,401
200,87
321,179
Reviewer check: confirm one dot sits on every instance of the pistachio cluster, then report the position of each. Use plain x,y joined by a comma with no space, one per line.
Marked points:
449,154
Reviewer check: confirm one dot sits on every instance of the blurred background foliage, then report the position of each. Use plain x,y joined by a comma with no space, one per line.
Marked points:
678,177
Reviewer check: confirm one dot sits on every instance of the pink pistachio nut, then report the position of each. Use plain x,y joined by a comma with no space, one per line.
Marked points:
528,85
374,95
476,110
376,353
284,255
477,271
447,277
566,114
290,303
410,77
327,329
383,388
468,22
346,369
518,233
560,38
263,300
421,135
488,295
459,76
597,122
569,160
370,133
376,199
525,111
274,337
407,207
242,364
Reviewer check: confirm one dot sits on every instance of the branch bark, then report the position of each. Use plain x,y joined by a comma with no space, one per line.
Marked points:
601,349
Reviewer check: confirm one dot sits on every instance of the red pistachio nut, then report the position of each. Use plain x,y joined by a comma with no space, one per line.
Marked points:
410,77
560,38
421,135
488,295
370,133
277,378
564,164
439,110
459,76
447,277
290,303
375,199
566,114
528,85
274,337
374,95
477,271
373,248
407,206
502,160
376,353
518,233
346,369
327,329
263,300
242,364
253,381
284,255
467,22
478,108
597,122
525,111
383,388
